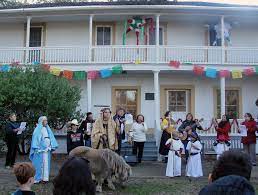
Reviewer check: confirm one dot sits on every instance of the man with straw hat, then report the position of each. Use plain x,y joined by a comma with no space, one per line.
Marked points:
74,136
174,155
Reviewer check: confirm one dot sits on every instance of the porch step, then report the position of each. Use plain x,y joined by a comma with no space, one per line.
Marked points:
149,153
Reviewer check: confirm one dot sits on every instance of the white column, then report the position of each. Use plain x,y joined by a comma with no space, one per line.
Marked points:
222,80
27,39
89,96
157,38
90,37
89,81
157,104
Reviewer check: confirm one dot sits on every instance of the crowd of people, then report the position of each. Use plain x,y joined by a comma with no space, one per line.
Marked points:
179,139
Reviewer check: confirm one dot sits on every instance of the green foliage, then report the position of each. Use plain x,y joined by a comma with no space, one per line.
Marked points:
32,92
7,3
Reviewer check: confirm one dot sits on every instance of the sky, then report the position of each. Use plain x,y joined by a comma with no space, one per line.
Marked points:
243,2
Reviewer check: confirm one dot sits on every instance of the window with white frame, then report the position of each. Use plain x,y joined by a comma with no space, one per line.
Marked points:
232,103
103,35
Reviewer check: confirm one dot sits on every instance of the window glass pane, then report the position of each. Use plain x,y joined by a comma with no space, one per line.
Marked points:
107,36
35,36
177,101
152,38
232,103
100,34
127,99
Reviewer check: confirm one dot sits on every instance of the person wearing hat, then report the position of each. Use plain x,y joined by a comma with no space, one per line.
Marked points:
194,162
74,136
176,147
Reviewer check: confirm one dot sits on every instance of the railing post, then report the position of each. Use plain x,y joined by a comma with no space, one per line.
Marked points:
90,38
157,38
27,39
222,80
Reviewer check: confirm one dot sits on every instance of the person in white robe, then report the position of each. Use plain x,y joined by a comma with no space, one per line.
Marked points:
43,143
174,155
194,162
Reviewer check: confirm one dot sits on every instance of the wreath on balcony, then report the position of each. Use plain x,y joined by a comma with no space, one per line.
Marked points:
137,24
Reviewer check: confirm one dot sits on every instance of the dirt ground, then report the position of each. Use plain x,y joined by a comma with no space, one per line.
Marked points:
147,178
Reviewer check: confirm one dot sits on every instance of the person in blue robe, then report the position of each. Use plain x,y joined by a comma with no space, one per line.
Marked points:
42,145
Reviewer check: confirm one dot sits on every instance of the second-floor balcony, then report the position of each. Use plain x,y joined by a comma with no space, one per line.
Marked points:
129,54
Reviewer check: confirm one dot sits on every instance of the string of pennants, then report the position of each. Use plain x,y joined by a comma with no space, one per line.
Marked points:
213,73
75,75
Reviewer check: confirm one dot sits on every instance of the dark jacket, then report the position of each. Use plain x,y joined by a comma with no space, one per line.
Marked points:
191,124
83,128
74,140
121,120
229,185
251,129
9,133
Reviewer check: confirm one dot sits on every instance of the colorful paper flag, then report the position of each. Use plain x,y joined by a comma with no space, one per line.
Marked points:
249,71
117,69
211,73
5,68
36,63
188,63
236,74
138,61
256,69
105,73
94,74
55,71
79,75
224,73
68,74
198,70
45,67
174,64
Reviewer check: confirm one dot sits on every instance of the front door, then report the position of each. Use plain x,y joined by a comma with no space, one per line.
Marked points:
126,99
35,43
178,102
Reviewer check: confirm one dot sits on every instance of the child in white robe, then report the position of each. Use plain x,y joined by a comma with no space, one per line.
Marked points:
174,155
194,162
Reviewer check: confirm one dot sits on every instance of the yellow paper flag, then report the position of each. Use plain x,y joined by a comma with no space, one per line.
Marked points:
138,61
55,71
237,74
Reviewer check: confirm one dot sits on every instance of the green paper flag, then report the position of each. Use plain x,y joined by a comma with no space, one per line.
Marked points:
117,69
256,69
79,75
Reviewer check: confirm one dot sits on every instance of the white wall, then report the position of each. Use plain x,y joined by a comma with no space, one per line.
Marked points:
67,34
204,103
186,34
244,35
12,35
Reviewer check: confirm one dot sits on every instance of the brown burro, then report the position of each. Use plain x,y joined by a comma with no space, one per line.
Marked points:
105,165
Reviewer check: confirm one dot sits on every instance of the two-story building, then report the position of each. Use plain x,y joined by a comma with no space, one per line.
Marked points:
91,36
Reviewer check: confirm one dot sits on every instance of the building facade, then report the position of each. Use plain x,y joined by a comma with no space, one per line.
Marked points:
91,36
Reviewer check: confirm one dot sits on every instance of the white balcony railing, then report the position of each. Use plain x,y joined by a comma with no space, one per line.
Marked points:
130,54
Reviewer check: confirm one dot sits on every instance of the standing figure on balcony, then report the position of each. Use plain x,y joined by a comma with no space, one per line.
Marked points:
222,142
42,145
249,141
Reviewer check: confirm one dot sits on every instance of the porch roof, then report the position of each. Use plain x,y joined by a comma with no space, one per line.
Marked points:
135,7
